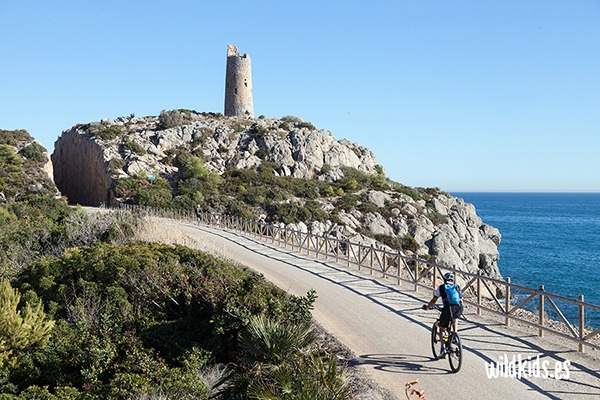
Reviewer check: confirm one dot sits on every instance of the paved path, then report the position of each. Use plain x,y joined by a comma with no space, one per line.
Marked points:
390,334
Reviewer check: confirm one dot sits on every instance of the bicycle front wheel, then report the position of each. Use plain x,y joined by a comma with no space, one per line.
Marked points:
436,346
454,352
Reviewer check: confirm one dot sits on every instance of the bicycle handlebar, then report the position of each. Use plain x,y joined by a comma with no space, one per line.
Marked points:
435,307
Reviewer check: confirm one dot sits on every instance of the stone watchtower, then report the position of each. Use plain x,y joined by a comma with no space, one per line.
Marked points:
238,84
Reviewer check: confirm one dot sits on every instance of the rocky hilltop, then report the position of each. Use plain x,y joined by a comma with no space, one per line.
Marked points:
26,167
91,159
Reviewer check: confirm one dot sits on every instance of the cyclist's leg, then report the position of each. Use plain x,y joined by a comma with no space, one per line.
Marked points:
456,312
445,320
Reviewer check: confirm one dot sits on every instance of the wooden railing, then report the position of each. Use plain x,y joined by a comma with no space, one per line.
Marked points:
485,293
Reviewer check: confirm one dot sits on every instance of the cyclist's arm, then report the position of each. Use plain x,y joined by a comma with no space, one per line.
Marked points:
431,302
436,296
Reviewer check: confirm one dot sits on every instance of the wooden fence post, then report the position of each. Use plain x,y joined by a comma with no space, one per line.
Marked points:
416,274
371,267
507,301
581,323
400,262
541,314
478,295
348,252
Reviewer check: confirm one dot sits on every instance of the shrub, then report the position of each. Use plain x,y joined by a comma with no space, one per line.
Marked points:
115,164
239,127
143,192
262,153
133,147
436,217
119,307
170,119
35,152
409,243
14,138
10,161
290,118
347,202
414,193
391,241
259,130
283,358
378,182
325,169
304,124
107,132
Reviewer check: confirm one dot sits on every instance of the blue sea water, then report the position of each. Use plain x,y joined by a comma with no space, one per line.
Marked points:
550,239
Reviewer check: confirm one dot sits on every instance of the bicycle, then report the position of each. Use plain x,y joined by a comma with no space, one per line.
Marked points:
452,344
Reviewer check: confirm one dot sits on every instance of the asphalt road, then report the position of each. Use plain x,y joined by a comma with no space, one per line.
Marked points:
386,328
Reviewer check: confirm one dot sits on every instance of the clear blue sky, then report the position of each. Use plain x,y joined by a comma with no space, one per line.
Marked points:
461,95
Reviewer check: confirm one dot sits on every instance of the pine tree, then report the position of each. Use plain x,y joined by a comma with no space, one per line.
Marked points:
20,329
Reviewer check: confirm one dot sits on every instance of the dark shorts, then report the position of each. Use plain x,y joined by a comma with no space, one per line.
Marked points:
446,316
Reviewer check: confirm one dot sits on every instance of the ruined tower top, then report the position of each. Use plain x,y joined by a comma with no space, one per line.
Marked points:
238,84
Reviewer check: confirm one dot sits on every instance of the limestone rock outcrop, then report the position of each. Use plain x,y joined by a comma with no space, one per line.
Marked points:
89,158
83,154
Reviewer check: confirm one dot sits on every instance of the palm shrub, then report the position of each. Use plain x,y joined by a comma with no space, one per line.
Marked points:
283,361
272,344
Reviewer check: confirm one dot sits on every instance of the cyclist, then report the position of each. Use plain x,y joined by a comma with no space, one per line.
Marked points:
452,298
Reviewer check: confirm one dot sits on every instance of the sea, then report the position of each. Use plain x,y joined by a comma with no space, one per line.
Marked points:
550,239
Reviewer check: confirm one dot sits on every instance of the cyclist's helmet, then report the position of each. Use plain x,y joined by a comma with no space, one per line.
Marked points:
448,277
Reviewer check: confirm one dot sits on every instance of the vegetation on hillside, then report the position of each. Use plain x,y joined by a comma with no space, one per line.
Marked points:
141,319
249,193
87,313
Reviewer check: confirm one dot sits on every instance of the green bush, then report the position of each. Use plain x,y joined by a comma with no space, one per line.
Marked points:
391,241
14,138
142,191
35,152
140,319
107,132
31,227
409,243
304,124
262,153
436,217
133,147
259,130
10,160
115,164
171,119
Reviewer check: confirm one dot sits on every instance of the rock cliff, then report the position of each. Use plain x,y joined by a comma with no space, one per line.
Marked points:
88,160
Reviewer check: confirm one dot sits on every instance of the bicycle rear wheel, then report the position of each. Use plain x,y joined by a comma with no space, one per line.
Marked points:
436,346
454,352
